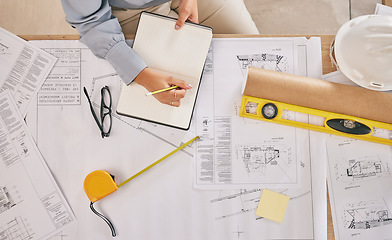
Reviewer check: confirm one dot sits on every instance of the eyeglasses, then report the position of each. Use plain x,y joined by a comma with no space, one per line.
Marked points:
105,125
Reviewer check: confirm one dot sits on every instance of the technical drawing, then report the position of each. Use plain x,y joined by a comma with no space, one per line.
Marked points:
208,65
245,201
361,169
6,202
239,233
59,236
257,158
268,163
4,50
16,229
263,60
366,215
240,202
63,85
9,198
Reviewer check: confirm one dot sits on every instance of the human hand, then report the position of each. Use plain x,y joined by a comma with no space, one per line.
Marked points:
153,81
187,10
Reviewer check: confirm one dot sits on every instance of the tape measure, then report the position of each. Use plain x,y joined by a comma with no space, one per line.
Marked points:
328,122
100,183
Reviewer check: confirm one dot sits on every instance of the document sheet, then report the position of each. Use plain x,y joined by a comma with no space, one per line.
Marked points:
238,152
166,191
23,68
359,184
31,204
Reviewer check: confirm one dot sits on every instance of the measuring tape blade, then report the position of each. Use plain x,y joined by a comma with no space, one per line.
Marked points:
99,184
327,122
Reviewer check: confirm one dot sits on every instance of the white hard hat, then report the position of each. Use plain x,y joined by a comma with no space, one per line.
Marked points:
363,51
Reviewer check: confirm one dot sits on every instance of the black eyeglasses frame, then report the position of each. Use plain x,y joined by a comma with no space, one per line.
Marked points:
104,110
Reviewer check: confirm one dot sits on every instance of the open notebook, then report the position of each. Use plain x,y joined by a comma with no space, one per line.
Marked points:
178,53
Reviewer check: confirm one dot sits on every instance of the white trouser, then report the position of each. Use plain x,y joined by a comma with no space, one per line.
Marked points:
224,16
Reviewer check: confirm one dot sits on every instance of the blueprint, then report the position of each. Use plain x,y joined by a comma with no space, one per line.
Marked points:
23,68
238,153
359,180
31,204
70,141
269,61
259,161
245,153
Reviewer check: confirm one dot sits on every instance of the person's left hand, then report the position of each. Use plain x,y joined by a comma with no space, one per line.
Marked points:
187,10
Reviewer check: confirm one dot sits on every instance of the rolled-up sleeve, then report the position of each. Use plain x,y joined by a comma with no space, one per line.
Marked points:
102,33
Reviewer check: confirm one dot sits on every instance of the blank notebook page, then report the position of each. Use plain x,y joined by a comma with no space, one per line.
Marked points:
178,53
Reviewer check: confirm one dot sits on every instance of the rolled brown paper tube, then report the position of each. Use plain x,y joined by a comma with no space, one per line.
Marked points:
319,94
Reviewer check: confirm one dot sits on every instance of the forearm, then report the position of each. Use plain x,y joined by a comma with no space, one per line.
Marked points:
102,33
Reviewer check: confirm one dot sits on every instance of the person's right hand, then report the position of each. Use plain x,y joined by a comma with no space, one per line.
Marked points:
153,81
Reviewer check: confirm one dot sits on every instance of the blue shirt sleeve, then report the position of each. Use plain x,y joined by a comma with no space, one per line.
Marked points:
102,33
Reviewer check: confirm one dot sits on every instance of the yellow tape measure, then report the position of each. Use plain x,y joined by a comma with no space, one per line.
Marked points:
100,183
328,122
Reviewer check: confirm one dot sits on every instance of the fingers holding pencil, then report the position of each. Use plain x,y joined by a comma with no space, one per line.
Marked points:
172,97
165,89
178,93
173,94
179,83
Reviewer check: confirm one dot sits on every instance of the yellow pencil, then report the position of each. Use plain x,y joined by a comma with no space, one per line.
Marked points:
162,90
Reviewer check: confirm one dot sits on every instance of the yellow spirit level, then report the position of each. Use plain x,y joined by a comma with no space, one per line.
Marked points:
329,122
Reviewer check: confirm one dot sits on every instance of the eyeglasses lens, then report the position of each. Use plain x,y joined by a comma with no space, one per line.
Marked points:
106,112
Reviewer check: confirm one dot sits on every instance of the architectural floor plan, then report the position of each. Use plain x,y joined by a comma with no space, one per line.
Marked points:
264,60
366,215
362,169
16,229
265,162
359,183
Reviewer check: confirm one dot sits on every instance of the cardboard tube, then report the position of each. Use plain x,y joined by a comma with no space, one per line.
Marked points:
319,94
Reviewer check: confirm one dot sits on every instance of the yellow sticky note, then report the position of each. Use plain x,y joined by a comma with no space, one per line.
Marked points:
272,205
